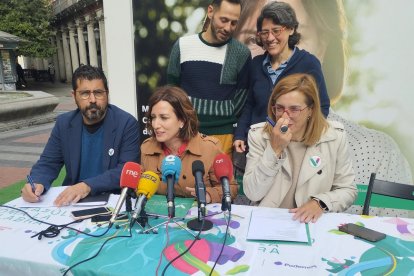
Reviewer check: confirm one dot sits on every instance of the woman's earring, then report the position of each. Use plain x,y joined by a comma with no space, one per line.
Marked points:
308,118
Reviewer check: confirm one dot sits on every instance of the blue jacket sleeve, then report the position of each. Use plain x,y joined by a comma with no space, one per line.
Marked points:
323,93
245,119
47,168
243,80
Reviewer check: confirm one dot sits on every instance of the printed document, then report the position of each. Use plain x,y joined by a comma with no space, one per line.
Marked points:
276,224
47,199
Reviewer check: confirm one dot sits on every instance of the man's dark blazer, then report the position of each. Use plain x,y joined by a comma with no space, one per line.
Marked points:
120,145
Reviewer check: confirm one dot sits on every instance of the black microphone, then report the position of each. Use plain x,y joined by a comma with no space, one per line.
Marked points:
200,223
171,169
200,187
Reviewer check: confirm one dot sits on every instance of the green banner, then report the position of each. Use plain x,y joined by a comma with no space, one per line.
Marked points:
382,201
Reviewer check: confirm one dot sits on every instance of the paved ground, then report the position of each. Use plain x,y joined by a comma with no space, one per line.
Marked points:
20,149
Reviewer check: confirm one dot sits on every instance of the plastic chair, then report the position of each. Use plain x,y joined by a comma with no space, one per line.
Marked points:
387,188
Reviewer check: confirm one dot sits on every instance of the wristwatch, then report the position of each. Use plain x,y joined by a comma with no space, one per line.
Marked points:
321,204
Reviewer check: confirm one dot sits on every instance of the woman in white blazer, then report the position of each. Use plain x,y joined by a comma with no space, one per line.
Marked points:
302,163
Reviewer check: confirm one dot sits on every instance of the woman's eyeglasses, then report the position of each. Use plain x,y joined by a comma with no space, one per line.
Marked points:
275,32
292,111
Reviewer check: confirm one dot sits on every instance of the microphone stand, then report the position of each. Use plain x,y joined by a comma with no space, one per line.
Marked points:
197,223
143,222
128,204
225,204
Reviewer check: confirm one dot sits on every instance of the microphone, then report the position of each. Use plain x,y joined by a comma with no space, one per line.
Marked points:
200,187
147,186
171,169
129,179
200,223
223,169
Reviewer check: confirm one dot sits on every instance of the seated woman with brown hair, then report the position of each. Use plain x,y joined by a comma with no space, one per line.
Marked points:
302,163
173,123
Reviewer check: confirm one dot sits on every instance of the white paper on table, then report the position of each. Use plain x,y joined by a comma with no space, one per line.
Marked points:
47,199
275,224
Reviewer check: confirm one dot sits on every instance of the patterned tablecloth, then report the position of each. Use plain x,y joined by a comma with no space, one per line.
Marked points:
331,252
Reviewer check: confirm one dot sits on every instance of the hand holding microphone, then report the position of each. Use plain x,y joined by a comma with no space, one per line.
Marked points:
281,134
171,169
223,169
147,186
283,128
129,179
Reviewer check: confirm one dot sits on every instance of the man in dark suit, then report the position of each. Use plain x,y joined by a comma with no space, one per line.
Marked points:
93,142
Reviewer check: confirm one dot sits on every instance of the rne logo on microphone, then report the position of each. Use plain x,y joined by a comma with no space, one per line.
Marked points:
131,172
218,161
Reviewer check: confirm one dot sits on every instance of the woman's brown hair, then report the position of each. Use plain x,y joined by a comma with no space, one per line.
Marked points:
306,85
182,106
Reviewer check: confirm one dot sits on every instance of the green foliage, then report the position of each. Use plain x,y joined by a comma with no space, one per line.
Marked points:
29,20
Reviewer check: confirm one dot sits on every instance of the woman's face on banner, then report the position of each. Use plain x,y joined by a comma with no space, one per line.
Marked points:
310,40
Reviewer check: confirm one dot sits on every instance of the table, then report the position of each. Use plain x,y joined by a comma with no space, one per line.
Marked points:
331,253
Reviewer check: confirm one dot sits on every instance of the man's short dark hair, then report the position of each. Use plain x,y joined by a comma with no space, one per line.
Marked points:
217,3
88,72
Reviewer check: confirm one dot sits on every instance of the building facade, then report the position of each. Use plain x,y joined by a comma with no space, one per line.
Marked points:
79,38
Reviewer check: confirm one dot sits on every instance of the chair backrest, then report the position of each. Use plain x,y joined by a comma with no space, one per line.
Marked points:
386,188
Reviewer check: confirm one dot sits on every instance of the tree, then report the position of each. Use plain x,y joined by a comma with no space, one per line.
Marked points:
29,20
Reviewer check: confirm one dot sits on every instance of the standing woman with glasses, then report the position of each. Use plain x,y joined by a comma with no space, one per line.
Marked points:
302,163
277,34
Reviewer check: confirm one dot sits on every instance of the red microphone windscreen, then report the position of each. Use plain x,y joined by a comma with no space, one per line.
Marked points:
131,172
223,166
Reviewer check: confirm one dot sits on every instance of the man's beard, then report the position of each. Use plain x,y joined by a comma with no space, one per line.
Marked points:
95,115
215,32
